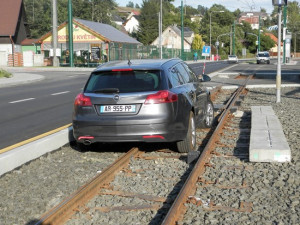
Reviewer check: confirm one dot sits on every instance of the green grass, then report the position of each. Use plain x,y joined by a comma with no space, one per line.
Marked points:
4,73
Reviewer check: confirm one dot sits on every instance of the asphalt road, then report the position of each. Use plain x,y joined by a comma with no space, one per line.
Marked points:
32,109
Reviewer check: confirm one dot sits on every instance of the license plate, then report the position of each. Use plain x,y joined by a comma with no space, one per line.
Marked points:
117,108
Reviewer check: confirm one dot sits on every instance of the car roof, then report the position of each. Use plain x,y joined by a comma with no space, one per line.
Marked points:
137,64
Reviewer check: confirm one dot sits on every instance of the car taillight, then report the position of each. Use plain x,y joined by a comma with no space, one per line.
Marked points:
82,100
161,97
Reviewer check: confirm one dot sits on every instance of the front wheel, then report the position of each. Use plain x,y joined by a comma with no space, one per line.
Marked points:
189,143
208,115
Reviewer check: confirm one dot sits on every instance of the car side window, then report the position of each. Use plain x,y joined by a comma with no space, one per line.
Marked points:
183,73
192,75
175,77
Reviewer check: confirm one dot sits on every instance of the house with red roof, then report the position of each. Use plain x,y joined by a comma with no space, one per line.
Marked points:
13,30
275,48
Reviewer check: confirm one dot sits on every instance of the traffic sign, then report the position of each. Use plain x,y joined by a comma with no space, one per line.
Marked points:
205,50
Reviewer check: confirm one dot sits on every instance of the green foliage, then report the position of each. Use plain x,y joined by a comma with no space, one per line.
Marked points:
130,4
148,27
266,42
39,15
293,11
197,42
4,73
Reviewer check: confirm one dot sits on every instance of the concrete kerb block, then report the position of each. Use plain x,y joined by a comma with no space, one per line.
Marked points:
17,157
267,140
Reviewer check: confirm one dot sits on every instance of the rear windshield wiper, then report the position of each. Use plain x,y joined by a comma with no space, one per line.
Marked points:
107,90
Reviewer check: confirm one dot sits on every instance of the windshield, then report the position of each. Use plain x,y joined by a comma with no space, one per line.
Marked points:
263,54
123,81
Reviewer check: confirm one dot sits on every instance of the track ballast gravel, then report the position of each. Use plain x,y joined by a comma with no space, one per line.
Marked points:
273,188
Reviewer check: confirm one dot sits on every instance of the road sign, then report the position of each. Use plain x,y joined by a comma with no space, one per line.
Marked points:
206,51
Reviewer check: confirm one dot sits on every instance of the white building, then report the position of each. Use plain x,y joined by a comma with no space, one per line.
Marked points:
171,38
132,23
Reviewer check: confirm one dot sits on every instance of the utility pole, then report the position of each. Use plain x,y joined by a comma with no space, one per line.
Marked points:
70,28
54,33
284,33
233,39
182,30
278,76
258,34
160,29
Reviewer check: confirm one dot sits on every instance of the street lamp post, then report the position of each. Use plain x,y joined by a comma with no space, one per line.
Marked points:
210,30
279,3
257,40
218,41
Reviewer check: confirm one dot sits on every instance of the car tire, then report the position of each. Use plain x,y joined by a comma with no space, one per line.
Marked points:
189,143
268,62
257,62
208,115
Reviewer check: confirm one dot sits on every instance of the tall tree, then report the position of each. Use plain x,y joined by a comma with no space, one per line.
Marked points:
148,27
293,16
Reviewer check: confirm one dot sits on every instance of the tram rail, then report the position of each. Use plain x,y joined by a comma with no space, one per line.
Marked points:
63,211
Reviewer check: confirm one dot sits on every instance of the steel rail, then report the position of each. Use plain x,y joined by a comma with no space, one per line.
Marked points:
64,210
177,209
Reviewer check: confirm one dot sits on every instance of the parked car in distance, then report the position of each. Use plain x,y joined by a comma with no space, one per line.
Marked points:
143,101
263,57
233,59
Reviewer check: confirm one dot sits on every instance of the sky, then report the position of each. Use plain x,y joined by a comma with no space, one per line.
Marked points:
243,5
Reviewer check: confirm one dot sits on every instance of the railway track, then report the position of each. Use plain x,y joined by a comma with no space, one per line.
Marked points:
166,207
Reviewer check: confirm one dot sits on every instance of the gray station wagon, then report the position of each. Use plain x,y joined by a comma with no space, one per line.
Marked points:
143,101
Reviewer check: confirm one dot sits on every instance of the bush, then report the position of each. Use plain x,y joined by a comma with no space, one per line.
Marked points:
4,73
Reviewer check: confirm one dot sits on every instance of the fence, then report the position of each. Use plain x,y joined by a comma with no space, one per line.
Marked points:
128,51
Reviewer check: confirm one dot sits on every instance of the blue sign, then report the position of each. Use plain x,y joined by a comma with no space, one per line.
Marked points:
205,50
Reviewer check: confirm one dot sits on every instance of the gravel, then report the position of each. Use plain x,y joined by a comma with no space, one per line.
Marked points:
272,188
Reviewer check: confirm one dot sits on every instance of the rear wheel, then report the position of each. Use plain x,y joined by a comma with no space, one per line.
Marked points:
189,143
208,116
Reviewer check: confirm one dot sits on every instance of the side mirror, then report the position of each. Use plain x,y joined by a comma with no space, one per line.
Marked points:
204,78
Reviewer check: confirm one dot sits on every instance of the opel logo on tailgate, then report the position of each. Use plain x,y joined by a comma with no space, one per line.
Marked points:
116,98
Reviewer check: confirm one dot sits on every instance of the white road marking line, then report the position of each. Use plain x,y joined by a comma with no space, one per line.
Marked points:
22,100
60,93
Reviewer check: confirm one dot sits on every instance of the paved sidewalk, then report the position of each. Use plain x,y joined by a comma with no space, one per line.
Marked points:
20,78
21,75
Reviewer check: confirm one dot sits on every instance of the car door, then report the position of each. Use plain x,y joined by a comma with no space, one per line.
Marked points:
200,99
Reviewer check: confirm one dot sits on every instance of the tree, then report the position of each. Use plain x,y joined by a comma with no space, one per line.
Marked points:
39,15
137,6
148,27
198,43
201,9
130,4
293,11
101,10
266,42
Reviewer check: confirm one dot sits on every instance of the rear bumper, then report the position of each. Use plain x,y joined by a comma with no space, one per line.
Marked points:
129,133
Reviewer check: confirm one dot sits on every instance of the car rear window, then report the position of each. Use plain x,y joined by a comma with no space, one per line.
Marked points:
124,81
